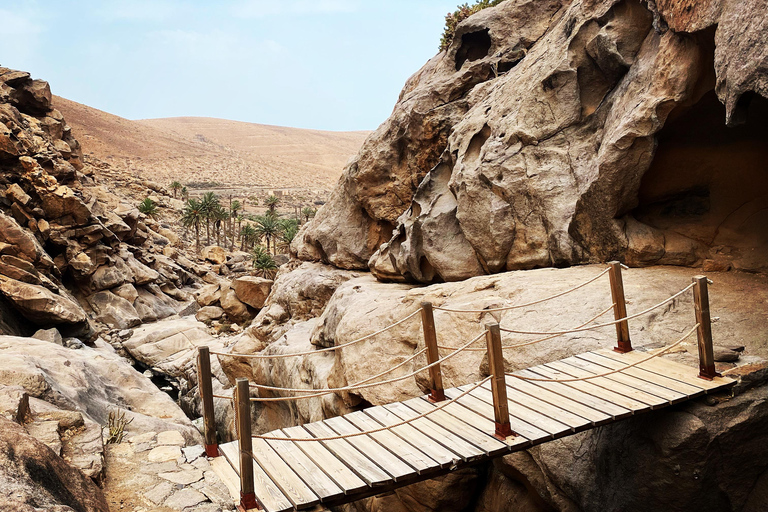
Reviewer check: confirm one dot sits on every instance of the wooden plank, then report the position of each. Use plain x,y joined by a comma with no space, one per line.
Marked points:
226,473
371,473
456,444
384,458
524,429
551,427
651,401
344,477
568,390
550,371
267,492
563,416
442,456
313,475
660,380
407,452
594,416
672,397
483,439
662,366
292,486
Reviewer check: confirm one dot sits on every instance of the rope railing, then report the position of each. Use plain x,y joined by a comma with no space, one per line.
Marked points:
617,370
320,350
356,387
533,303
532,342
315,393
596,326
381,429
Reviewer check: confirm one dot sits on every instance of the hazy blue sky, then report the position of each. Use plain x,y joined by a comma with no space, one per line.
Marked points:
325,64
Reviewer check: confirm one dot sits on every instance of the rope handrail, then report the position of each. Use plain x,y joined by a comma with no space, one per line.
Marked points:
589,377
363,386
365,381
517,306
517,345
381,429
581,329
320,350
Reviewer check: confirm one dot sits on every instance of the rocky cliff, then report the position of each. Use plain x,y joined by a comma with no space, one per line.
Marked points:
556,132
73,254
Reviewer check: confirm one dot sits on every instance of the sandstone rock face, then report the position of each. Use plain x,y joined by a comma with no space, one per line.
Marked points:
32,477
40,305
555,132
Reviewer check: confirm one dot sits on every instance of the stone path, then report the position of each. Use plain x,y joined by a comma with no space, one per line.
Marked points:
155,471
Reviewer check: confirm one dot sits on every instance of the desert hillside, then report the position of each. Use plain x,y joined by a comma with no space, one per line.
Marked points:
206,150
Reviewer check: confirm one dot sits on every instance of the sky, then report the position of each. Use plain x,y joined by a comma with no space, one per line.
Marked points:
320,64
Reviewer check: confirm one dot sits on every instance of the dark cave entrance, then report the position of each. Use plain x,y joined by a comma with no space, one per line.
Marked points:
709,182
474,46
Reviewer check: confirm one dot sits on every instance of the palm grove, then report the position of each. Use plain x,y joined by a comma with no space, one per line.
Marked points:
262,235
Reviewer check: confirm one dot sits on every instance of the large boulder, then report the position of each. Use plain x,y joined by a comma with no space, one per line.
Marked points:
215,254
113,310
40,305
251,290
33,478
548,130
94,381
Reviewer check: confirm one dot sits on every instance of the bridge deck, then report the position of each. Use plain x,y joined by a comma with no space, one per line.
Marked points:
293,475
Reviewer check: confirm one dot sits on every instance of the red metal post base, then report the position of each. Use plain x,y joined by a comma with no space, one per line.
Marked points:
707,376
212,450
503,431
248,502
437,395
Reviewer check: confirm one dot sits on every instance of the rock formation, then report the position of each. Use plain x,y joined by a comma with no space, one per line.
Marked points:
556,132
73,255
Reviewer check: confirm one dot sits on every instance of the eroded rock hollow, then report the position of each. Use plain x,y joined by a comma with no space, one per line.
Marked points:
553,133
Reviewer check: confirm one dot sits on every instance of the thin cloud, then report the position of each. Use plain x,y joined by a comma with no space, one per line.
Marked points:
138,10
267,8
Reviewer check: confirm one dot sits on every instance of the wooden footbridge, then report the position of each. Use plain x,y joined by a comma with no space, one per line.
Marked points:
377,449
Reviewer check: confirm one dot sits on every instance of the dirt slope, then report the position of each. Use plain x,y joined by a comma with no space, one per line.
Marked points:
190,149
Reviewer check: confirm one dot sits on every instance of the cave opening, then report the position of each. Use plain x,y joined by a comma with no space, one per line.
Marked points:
709,182
474,46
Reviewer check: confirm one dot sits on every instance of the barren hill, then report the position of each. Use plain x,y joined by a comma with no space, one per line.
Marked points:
190,149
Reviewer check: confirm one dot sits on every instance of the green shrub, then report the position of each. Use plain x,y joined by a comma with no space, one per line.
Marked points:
148,207
462,12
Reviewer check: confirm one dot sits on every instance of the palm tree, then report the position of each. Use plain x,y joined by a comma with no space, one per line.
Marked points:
209,203
267,227
271,202
148,207
218,215
234,209
184,193
247,236
308,212
289,228
264,263
193,215
176,187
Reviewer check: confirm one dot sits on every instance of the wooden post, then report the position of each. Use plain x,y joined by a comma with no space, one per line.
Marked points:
430,340
205,387
247,496
498,382
704,331
619,308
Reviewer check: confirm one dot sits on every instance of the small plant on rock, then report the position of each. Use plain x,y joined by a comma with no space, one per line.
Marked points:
115,427
149,208
462,12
